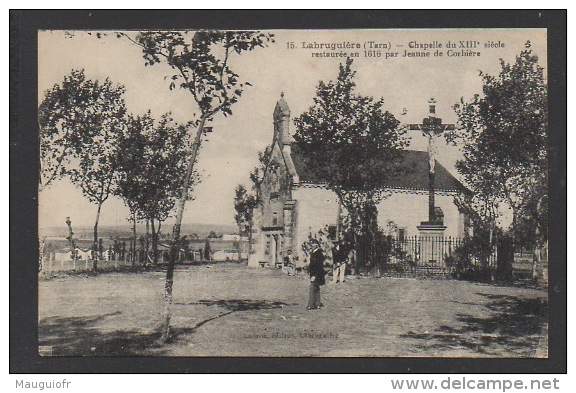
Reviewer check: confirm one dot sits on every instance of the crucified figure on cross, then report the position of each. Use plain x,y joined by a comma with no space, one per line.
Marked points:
431,127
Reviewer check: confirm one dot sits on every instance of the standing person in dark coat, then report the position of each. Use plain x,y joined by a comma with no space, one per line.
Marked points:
316,269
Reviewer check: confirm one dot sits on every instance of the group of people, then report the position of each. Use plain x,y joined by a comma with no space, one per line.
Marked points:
340,257
317,273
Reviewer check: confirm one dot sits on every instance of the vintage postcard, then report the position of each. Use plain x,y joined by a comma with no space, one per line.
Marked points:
293,193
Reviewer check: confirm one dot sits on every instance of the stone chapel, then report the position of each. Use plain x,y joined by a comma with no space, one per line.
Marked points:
296,202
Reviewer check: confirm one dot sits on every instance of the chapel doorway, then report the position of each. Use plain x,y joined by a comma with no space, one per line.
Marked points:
274,249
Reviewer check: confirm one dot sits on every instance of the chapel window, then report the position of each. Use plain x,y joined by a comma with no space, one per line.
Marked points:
274,184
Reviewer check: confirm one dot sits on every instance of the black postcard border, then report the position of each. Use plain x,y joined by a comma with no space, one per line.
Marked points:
23,220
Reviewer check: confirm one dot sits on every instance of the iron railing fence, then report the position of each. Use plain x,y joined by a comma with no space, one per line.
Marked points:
431,255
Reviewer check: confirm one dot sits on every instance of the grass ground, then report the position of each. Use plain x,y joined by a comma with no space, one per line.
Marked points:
231,310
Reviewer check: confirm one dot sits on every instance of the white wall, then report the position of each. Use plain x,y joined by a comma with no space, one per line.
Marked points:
409,209
316,208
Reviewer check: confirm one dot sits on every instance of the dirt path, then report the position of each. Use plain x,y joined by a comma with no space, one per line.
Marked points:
230,310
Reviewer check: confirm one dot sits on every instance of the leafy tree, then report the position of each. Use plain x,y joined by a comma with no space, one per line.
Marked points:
503,133
532,223
367,242
200,64
257,174
213,235
80,123
152,154
351,143
244,204
130,158
168,153
481,207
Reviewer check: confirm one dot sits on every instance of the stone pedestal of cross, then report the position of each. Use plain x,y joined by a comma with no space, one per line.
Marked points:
432,231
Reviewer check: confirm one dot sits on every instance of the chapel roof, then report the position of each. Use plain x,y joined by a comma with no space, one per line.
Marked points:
414,165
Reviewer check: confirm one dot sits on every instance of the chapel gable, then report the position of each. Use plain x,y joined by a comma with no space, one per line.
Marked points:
275,188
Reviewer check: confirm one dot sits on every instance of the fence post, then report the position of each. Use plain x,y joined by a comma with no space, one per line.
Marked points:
416,245
448,268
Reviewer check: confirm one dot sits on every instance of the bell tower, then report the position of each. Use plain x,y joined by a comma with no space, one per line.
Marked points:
281,122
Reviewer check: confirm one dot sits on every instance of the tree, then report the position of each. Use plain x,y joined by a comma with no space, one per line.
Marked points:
481,207
503,136
351,143
213,235
130,159
257,174
532,223
70,238
244,204
80,122
207,250
167,151
200,61
152,154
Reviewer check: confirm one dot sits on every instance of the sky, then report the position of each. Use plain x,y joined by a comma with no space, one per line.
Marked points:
231,151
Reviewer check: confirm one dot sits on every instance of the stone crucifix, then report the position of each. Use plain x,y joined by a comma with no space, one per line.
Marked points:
431,127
